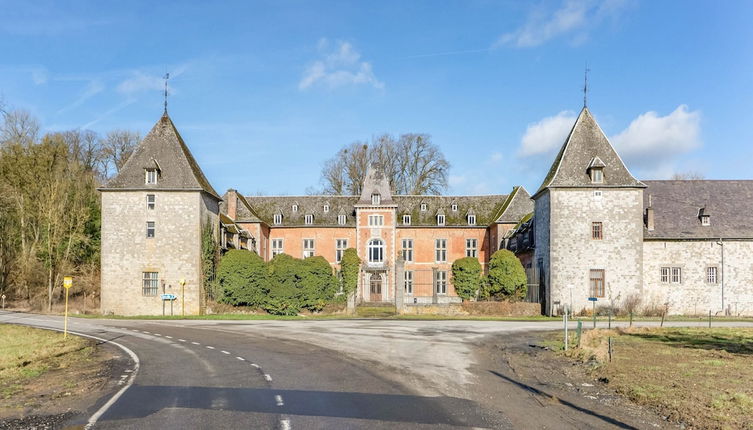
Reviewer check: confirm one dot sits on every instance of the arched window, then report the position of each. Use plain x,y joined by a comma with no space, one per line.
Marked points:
376,251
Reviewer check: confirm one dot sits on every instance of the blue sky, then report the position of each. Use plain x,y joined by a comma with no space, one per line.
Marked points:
265,92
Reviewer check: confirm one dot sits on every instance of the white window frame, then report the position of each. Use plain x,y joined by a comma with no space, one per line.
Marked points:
407,250
151,226
440,284
278,247
423,207
340,246
149,284
665,275
712,275
309,248
308,219
705,220
440,219
376,199
151,201
471,247
440,250
325,209
597,175
471,219
376,220
676,277
406,219
454,207
295,208
341,219
408,282
150,176
277,219
375,251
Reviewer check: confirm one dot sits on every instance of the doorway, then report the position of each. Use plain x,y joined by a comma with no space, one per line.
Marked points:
376,288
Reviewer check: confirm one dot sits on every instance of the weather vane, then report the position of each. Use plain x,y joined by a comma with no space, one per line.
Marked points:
167,76
585,86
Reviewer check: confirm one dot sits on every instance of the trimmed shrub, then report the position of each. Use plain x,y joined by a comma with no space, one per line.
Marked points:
242,278
282,295
318,285
506,278
350,265
466,277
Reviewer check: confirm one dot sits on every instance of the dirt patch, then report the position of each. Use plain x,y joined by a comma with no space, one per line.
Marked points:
535,387
46,380
505,309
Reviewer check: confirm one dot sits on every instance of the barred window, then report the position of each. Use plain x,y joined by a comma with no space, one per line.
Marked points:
150,283
408,282
597,282
711,275
150,229
597,230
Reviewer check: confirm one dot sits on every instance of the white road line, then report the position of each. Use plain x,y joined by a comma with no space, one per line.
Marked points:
285,424
182,340
210,347
241,358
255,365
196,343
145,332
225,352
169,337
278,400
268,377
157,334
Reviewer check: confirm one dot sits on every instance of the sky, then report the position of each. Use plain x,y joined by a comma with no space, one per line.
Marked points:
263,92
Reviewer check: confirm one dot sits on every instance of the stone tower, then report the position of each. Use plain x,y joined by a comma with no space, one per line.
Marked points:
588,223
153,213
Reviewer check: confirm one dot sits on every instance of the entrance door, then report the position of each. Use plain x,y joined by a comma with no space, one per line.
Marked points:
376,288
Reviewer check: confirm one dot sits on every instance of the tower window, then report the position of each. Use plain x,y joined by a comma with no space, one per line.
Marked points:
150,201
597,175
471,219
705,220
308,219
406,219
278,219
341,219
440,219
423,207
376,199
151,176
376,251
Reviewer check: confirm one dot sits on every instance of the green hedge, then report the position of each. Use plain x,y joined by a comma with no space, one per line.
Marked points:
466,277
506,278
350,265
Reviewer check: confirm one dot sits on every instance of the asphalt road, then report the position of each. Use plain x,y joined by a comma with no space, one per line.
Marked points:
319,374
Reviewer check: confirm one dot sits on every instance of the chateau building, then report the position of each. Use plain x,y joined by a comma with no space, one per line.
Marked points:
591,230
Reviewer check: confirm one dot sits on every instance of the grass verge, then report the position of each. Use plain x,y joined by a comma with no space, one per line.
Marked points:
698,377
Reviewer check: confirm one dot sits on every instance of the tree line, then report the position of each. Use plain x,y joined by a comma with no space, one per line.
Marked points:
49,206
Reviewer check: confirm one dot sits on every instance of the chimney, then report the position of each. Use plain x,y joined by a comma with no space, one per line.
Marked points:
232,203
650,215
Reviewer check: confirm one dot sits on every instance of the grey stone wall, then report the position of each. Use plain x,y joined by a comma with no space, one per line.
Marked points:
174,252
541,234
693,295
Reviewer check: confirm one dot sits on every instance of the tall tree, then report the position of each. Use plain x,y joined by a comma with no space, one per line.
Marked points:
117,146
413,164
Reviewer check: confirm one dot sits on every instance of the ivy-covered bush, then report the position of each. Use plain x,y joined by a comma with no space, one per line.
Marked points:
506,278
350,265
318,285
242,278
466,277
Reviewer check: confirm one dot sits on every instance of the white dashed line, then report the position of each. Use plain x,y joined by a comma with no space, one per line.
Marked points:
157,334
255,365
210,347
241,358
278,400
285,424
196,343
268,377
169,337
145,332
182,340
225,352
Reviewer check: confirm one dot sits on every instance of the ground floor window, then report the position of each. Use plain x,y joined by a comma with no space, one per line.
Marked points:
441,282
408,282
308,248
150,283
597,282
277,247
711,275
671,275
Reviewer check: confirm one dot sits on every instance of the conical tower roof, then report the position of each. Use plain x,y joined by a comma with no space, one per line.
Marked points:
586,147
376,182
163,149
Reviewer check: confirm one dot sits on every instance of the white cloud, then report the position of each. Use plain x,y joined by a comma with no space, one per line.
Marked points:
574,17
547,135
338,67
94,87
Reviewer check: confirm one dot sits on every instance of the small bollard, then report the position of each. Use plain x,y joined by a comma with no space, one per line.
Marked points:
631,319
3,301
578,331
609,349
709,318
564,319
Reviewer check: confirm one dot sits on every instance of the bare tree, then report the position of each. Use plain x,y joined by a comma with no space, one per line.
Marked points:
413,164
116,147
18,127
689,175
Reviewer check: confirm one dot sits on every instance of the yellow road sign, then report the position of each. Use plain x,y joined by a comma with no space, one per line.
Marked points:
67,281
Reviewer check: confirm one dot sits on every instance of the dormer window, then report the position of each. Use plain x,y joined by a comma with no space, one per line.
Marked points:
278,219
341,219
325,208
376,199
151,176
423,207
295,207
406,219
454,207
597,175
705,220
440,219
471,219
308,219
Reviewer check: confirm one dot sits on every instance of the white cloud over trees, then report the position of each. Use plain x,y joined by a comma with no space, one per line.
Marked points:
339,66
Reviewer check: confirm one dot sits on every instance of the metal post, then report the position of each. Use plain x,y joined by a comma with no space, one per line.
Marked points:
183,296
171,307
578,331
564,318
65,329
709,318
4,301
610,349
610,319
594,312
721,243
163,306
631,318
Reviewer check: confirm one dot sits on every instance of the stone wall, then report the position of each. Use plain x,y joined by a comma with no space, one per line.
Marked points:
499,309
174,252
541,220
693,295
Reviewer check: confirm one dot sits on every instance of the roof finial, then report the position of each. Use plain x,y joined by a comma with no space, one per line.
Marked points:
166,77
585,86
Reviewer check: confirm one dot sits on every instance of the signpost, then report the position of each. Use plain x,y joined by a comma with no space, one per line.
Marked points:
168,297
183,296
593,300
67,283
3,301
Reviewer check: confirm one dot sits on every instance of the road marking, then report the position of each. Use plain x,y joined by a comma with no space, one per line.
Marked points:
285,424
278,400
255,365
241,358
169,337
182,340
196,343
157,334
268,377
225,352
145,332
210,347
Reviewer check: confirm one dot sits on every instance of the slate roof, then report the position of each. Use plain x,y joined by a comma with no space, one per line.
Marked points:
162,147
375,183
586,145
677,205
485,208
517,205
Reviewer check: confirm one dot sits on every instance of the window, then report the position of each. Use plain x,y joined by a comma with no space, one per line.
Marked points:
340,246
665,275
376,251
408,282
150,201
408,249
423,207
672,275
440,246
597,175
277,247
597,232
325,209
470,247
440,219
471,219
376,220
150,283
676,275
597,194
295,207
597,282
308,248
441,282
454,207
278,219
341,219
705,220
711,275
151,176
150,229
406,219
308,219
375,199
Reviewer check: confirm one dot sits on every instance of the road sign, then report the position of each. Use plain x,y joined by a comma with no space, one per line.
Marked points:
169,296
67,281
592,299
